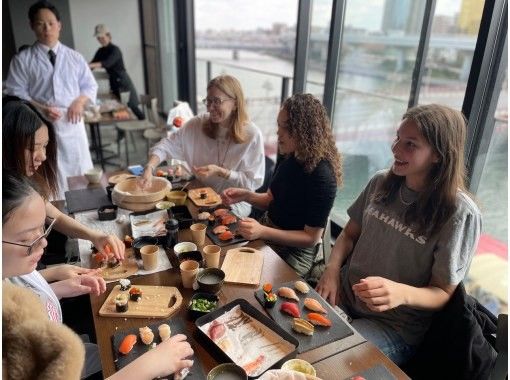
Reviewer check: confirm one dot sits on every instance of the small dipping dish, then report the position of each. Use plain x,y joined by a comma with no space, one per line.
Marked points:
177,197
142,241
227,371
299,365
194,309
210,280
108,212
185,246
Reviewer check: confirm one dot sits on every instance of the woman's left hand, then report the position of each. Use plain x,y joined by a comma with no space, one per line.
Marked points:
76,286
117,246
379,294
66,271
250,229
207,171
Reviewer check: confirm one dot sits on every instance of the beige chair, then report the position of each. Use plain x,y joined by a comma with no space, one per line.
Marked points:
150,108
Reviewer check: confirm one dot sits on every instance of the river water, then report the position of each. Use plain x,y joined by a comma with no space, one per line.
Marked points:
367,112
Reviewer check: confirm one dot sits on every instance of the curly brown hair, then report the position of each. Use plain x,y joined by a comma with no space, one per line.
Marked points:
308,123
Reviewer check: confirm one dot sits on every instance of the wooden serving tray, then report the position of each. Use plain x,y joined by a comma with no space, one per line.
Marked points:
127,268
156,302
243,266
212,199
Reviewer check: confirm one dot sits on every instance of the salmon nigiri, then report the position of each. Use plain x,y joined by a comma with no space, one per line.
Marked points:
314,305
318,319
288,293
127,344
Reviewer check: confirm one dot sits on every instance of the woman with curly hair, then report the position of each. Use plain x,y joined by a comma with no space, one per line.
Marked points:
303,187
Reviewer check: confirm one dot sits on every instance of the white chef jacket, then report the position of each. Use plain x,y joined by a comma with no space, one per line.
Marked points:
245,161
32,77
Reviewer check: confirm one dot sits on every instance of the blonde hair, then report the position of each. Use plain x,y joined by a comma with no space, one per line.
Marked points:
239,117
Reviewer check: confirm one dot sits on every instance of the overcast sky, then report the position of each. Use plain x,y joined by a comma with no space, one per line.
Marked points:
252,14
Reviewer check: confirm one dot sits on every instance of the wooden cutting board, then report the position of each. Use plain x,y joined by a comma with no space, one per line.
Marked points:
243,266
156,302
127,268
212,198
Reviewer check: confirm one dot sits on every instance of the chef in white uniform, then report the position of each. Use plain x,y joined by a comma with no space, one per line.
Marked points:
59,82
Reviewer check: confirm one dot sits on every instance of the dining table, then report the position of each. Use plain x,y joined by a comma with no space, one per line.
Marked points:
340,359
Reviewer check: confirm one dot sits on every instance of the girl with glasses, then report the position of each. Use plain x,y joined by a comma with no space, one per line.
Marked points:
30,149
411,235
223,147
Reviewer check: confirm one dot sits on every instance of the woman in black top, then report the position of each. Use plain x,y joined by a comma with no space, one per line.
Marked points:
109,56
303,187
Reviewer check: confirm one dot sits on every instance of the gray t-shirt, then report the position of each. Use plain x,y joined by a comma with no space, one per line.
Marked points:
389,248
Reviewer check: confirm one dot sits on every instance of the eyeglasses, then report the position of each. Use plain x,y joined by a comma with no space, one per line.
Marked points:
215,101
36,242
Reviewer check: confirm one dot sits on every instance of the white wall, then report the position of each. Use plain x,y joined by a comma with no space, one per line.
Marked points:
123,20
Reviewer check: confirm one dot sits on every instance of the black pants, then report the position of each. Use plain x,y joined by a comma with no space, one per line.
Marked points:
123,83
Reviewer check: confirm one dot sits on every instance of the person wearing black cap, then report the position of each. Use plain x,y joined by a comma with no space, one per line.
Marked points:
110,58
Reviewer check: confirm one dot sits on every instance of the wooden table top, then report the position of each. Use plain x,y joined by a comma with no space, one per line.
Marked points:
336,360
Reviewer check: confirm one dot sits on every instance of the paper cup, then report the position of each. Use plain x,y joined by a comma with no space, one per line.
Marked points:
198,233
189,272
149,256
212,256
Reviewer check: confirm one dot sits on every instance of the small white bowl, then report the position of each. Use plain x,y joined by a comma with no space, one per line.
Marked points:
185,246
164,205
94,175
299,365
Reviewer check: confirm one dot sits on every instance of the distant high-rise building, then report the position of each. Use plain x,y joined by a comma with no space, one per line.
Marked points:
405,16
470,16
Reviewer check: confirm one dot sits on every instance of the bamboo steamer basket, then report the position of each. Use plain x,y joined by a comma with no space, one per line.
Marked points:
127,194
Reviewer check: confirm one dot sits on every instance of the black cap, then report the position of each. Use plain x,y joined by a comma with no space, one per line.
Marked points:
171,224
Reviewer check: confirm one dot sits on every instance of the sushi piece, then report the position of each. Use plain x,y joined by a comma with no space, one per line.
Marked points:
121,303
164,332
318,319
227,235
290,308
302,287
127,344
302,326
228,219
270,300
146,335
135,294
125,284
219,229
267,288
203,215
288,293
314,305
219,212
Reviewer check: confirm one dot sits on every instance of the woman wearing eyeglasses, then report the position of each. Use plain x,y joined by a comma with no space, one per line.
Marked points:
223,147
30,149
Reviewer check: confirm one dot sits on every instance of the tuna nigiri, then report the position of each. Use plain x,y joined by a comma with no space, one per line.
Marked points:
127,344
290,308
314,305
288,293
318,319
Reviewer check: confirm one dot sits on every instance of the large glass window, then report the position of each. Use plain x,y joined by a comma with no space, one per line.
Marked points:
378,54
167,53
253,42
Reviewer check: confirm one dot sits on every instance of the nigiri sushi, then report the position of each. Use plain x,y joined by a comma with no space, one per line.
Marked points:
127,344
318,319
288,293
290,308
314,305
164,332
302,326
302,287
146,335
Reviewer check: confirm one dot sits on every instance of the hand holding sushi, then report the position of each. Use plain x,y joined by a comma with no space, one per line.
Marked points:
168,357
109,242
250,229
65,271
78,285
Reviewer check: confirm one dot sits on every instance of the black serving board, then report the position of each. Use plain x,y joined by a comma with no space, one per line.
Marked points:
177,326
232,227
378,372
86,199
322,335
253,312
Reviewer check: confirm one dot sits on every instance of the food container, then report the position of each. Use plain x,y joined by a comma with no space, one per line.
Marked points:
299,365
227,371
177,197
271,325
142,241
194,314
183,216
184,246
211,280
108,212
94,175
128,194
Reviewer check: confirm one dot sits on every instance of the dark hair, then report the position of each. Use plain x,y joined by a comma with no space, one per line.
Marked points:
308,123
43,4
15,190
21,120
445,131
